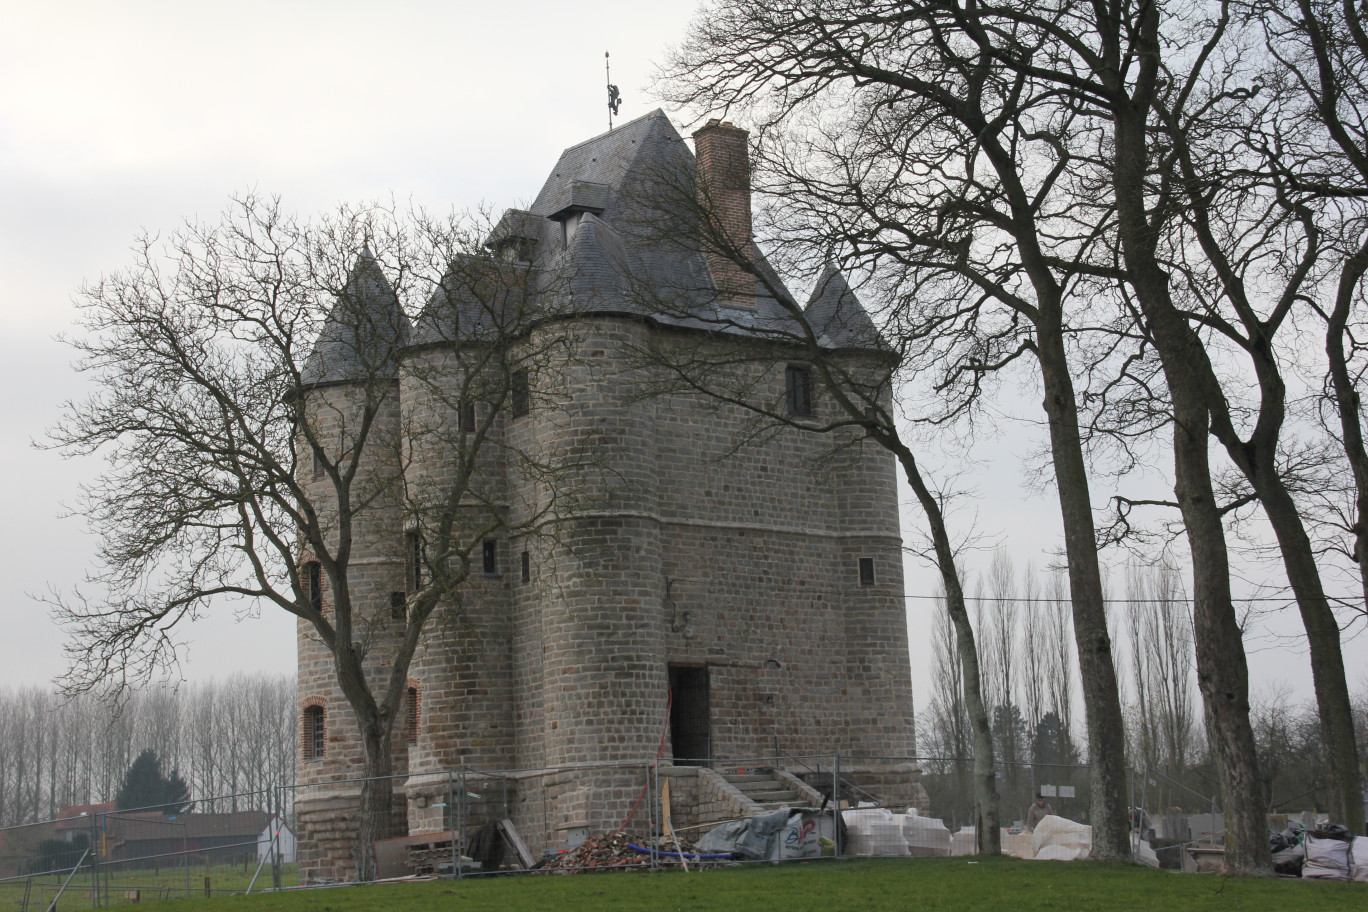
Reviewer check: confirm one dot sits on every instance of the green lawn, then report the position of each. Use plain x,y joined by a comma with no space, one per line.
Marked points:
839,886
150,884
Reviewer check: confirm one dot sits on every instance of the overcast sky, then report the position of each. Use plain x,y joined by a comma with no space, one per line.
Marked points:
119,117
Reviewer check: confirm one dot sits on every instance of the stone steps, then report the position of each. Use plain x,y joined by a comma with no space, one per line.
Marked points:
765,789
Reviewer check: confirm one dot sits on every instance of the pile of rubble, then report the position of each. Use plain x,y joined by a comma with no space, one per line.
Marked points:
611,852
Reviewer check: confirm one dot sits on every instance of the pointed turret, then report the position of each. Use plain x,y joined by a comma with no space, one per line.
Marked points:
362,337
837,316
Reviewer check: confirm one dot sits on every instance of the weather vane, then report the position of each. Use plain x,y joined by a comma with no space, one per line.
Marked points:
614,96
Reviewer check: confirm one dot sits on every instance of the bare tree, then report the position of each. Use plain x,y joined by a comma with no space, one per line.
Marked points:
1060,655
892,141
1002,631
247,380
1034,646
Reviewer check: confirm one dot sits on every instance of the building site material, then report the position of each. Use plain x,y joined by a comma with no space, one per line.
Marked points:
1056,833
1327,858
510,833
927,837
875,832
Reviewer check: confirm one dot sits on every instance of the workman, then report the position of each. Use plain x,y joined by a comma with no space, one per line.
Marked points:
1038,812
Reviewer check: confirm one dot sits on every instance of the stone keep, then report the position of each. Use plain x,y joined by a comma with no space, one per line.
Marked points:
688,549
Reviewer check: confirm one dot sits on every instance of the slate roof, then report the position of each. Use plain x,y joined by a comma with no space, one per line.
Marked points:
837,316
635,250
364,333
478,298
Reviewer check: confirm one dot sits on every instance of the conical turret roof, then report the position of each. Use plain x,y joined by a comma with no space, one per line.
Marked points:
362,337
837,316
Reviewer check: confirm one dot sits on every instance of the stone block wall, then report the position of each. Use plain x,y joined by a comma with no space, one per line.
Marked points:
757,536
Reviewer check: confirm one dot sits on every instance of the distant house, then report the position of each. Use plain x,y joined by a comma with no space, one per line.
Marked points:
150,838
80,819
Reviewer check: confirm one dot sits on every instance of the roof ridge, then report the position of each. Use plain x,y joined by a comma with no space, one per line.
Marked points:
658,113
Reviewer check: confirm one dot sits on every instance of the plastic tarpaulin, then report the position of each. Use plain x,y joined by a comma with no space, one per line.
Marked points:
926,836
1059,839
787,833
874,831
751,838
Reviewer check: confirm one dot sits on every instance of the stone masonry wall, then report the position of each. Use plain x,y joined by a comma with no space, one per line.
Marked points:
758,543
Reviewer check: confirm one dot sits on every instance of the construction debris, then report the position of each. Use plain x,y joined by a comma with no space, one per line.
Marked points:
612,852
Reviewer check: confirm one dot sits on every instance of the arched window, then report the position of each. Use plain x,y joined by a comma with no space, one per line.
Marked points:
315,733
415,708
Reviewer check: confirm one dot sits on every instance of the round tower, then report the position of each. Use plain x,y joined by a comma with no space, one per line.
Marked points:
350,374
603,676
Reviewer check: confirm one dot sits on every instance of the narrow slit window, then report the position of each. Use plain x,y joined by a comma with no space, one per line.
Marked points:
491,558
519,394
526,567
315,733
466,417
318,466
414,708
313,585
866,571
798,390
413,561
398,605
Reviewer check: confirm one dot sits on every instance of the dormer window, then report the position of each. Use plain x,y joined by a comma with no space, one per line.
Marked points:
577,199
514,238
568,226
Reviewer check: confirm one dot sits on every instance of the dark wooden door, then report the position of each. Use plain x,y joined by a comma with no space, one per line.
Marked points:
690,723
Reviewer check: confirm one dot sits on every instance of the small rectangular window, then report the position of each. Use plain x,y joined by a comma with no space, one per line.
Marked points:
313,584
866,571
519,394
491,558
526,567
398,605
798,390
466,417
413,561
318,466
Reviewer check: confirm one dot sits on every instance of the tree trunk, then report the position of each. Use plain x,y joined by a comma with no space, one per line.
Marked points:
1097,669
988,818
1348,405
374,723
377,799
1222,671
1323,634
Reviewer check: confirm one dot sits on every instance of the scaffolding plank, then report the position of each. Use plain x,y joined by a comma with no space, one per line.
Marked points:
511,834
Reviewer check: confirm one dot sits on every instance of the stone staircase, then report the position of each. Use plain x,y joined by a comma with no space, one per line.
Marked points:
768,789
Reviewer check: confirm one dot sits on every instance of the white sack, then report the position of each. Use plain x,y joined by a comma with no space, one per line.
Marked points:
964,842
1059,831
1057,853
926,836
874,831
1143,852
1326,859
1360,853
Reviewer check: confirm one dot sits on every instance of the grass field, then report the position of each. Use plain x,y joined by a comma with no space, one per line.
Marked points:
845,886
151,885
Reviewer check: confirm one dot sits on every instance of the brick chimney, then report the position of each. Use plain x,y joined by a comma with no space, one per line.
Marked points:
724,193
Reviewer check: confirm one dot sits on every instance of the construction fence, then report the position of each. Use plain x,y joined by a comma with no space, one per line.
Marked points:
469,823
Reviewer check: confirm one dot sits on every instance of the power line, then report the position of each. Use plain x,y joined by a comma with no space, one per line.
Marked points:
1124,601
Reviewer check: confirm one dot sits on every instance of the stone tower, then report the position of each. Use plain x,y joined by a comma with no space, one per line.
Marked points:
735,596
